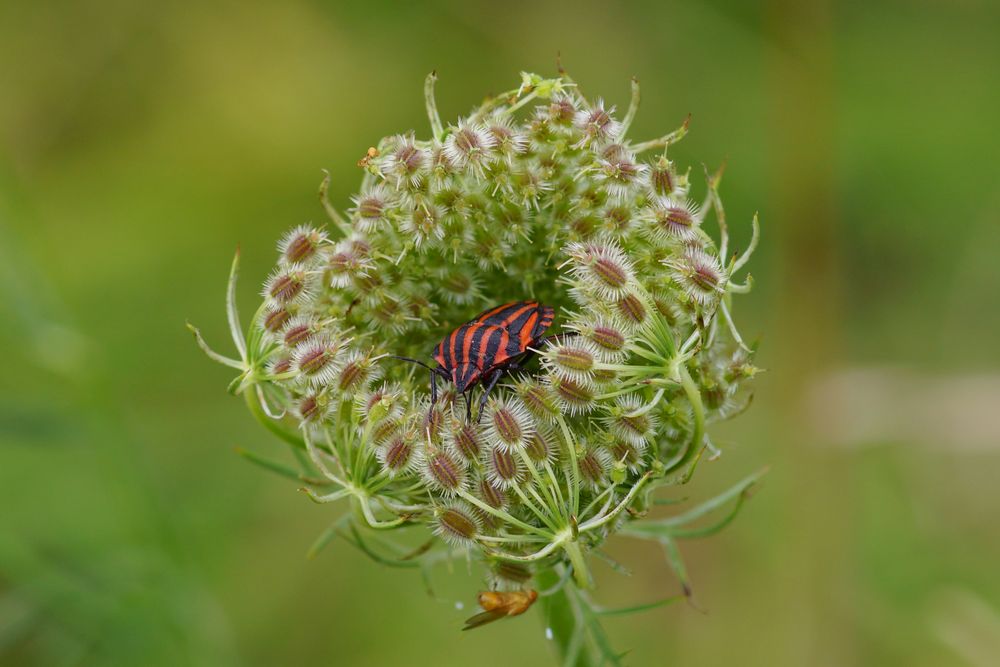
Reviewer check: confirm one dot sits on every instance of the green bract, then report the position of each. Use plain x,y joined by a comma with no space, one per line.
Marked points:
537,194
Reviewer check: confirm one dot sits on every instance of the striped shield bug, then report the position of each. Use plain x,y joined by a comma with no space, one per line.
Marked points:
497,341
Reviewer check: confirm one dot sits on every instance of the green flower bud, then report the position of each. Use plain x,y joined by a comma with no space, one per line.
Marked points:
537,194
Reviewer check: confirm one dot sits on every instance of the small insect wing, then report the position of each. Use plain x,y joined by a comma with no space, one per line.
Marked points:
483,618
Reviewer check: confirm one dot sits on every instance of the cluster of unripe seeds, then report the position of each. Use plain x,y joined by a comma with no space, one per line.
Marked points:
536,194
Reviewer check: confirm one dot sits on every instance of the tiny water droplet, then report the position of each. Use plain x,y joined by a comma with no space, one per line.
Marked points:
459,605
548,633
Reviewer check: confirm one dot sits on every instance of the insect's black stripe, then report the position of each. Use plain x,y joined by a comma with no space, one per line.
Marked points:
496,315
520,320
519,338
465,363
471,371
452,347
515,320
502,347
467,339
461,335
475,355
492,347
476,362
488,312
524,336
502,315
544,322
442,351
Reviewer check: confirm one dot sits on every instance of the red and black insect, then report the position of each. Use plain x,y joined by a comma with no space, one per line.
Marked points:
481,351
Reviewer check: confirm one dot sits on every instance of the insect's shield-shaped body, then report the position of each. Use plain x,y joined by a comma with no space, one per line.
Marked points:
480,350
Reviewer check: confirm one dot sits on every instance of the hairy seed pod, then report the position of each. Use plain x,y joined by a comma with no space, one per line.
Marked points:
457,524
663,179
575,397
504,467
301,244
287,285
466,439
597,124
275,319
631,310
632,420
603,268
510,424
397,455
443,472
311,409
316,361
371,209
279,365
385,429
493,495
434,423
298,330
469,146
538,399
671,220
628,455
594,465
404,165
700,275
541,447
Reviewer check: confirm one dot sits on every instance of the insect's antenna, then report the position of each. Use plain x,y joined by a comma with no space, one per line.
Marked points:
413,361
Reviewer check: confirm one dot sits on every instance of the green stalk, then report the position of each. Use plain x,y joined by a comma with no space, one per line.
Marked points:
581,573
275,427
698,408
562,621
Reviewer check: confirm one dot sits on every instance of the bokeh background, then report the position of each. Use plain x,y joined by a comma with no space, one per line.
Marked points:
140,142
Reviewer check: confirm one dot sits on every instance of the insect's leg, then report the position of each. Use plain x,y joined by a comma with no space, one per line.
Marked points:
494,377
434,388
468,407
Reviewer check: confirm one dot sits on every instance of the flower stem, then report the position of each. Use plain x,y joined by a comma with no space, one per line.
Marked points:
698,408
437,129
581,573
275,427
563,622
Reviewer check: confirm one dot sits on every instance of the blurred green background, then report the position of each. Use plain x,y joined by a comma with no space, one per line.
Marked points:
140,142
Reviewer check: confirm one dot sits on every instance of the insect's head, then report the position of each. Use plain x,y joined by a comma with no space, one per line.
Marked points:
464,376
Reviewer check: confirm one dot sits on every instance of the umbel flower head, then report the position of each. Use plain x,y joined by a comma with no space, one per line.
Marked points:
537,194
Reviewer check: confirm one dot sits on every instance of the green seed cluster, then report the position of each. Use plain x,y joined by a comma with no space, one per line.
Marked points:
540,194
